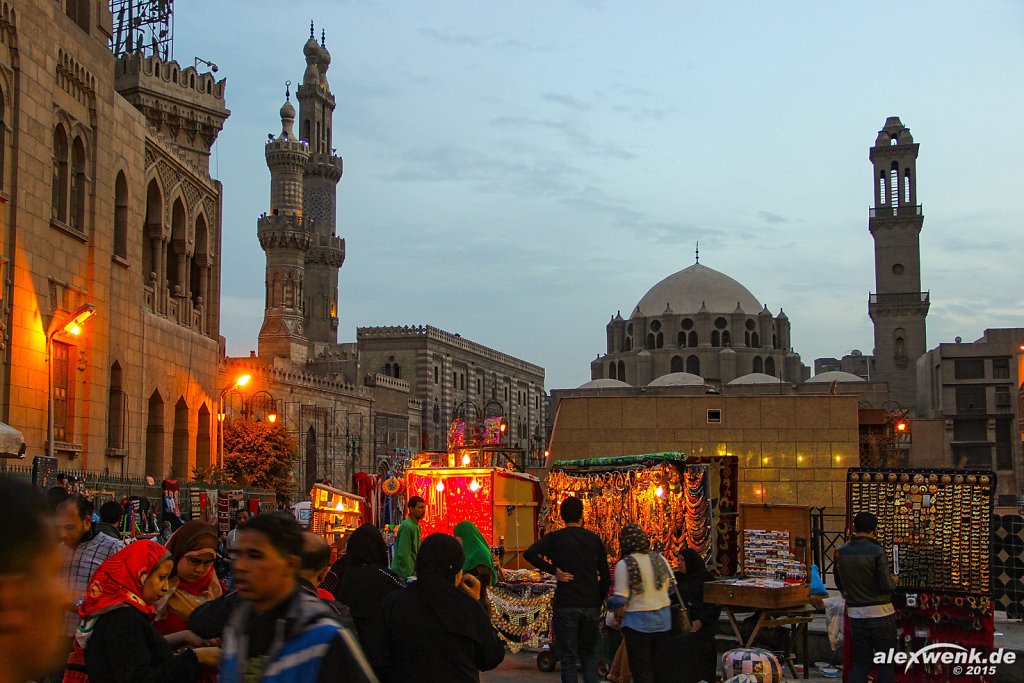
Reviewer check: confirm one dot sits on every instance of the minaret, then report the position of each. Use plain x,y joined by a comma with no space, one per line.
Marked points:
320,187
285,235
898,307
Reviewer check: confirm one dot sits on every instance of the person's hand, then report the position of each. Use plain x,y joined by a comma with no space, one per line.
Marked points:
210,656
471,585
563,576
695,626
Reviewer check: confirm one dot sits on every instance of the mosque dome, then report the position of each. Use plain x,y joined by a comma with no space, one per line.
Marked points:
287,110
677,379
694,288
835,376
603,383
311,48
754,378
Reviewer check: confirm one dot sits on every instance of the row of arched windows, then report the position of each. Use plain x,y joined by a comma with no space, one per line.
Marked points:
766,365
893,195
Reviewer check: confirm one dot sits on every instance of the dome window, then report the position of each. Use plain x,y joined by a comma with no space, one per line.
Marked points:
687,324
721,323
655,325
750,324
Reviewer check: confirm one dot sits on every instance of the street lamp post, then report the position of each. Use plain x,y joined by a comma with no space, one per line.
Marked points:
71,325
239,382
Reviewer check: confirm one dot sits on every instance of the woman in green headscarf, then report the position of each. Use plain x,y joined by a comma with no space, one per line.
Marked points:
479,561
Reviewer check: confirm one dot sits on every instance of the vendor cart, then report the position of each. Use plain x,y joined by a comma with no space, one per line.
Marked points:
334,514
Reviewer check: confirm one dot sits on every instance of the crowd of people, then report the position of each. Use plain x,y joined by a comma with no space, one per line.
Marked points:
101,609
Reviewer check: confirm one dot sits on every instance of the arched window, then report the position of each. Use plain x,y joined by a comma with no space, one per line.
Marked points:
746,338
117,410
200,263
726,338
3,136
894,185
176,251
78,10
758,364
755,340
622,371
660,342
676,364
906,187
681,339
76,217
693,365
691,339
650,341
629,343
305,130
716,338
121,216
151,233
398,373
611,370
769,366
775,341
387,369
881,188
59,200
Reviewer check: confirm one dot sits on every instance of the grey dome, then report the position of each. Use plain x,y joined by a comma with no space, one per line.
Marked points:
603,383
691,288
835,376
677,379
755,378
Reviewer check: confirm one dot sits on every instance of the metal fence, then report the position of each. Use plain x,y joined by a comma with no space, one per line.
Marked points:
828,532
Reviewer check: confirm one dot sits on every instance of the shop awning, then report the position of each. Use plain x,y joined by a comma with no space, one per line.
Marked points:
12,443
619,461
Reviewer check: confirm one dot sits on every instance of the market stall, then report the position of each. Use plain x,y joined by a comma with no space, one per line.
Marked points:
934,527
678,500
334,514
503,504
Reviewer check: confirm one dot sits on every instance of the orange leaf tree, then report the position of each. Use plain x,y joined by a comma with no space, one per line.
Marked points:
261,455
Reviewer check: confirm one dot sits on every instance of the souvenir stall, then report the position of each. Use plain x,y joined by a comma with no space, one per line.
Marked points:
934,525
334,514
678,500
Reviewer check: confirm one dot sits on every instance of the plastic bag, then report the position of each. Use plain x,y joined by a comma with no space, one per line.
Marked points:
817,585
835,608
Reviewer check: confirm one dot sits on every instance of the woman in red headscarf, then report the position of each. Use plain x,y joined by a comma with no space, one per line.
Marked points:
116,640
193,579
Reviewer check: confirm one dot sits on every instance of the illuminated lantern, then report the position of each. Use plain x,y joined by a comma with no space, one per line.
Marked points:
473,486
660,492
440,487
465,459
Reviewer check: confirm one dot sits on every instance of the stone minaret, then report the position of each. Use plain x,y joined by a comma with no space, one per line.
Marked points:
285,235
320,186
898,307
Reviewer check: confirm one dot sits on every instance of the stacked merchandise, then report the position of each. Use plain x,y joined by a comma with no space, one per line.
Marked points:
934,527
768,554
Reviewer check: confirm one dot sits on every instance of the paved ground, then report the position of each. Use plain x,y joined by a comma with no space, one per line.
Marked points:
522,667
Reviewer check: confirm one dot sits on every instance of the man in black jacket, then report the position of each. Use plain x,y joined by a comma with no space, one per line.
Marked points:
862,575
578,560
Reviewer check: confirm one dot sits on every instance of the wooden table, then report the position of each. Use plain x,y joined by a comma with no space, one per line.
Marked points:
786,606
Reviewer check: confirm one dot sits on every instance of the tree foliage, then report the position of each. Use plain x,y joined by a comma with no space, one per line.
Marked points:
260,455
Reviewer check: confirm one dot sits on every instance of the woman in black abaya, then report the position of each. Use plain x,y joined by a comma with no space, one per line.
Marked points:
691,658
436,629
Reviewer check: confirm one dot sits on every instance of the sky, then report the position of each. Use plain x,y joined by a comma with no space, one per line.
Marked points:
518,172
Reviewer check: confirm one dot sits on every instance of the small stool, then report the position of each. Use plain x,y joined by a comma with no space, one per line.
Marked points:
761,664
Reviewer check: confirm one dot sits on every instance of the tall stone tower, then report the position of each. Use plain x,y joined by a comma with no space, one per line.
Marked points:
898,307
285,235
320,185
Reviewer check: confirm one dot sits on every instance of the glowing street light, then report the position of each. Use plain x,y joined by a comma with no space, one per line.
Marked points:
72,325
240,381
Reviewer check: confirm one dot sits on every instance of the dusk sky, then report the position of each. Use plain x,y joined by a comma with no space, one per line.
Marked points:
517,172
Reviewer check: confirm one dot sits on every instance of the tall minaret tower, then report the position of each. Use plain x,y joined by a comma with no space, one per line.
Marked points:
898,307
285,235
320,187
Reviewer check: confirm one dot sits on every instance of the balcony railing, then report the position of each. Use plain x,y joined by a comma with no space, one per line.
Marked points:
891,211
899,299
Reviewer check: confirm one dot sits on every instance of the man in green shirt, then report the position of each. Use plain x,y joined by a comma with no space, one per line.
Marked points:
407,539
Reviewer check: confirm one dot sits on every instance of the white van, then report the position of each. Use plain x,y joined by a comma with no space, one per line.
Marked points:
301,512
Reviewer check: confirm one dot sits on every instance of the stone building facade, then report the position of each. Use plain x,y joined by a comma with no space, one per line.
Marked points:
703,323
107,200
445,370
972,388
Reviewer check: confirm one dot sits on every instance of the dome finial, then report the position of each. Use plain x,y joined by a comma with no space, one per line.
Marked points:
311,28
698,251
323,37
287,90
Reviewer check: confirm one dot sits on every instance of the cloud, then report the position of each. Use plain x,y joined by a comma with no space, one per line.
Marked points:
566,100
772,217
572,134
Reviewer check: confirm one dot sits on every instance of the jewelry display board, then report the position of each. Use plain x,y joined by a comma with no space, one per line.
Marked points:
934,525
679,501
